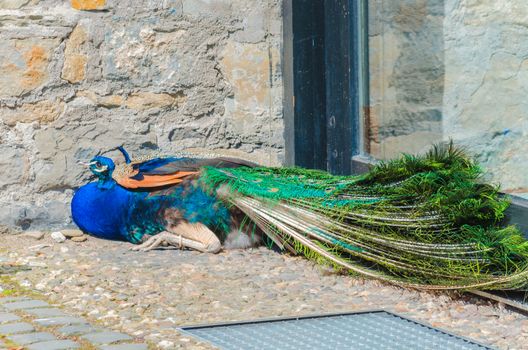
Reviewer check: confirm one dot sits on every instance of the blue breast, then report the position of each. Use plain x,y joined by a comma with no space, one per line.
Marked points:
113,212
101,212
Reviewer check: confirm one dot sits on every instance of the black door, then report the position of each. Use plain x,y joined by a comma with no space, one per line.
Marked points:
324,71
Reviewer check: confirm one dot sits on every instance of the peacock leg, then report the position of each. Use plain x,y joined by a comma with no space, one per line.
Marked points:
195,236
152,242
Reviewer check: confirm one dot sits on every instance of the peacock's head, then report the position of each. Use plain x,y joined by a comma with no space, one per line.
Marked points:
102,167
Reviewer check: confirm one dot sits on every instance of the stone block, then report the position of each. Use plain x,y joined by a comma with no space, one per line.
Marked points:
24,215
13,328
75,330
25,64
12,299
75,59
30,338
60,321
54,345
106,337
88,5
147,100
8,317
74,68
110,101
155,60
45,312
50,173
13,159
42,112
25,304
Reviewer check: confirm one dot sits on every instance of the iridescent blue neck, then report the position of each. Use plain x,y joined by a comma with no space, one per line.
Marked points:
106,183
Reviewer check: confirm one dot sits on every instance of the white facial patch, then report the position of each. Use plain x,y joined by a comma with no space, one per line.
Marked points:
102,169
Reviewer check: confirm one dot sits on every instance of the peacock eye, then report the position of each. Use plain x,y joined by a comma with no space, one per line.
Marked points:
98,164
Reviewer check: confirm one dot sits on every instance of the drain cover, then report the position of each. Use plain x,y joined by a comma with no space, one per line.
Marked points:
358,331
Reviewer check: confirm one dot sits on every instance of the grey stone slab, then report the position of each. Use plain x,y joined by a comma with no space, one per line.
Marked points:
46,312
77,329
19,327
8,317
60,321
12,299
26,304
125,347
30,338
54,345
106,337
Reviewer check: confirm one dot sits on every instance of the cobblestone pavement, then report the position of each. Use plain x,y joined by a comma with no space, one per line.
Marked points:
34,324
102,285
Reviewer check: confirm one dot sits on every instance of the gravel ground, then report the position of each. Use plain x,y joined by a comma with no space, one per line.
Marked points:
148,295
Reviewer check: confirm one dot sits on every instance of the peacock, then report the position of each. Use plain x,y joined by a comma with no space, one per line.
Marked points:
420,221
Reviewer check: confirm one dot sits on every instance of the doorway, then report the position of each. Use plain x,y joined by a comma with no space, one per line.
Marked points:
323,58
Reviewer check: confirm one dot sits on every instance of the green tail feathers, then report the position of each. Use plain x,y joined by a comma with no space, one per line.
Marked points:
419,221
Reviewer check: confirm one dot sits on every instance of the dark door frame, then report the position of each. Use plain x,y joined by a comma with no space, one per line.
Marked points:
323,61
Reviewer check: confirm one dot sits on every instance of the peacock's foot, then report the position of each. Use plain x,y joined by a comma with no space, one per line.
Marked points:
165,238
162,239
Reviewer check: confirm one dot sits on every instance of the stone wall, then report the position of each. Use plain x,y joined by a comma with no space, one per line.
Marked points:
406,61
82,77
452,69
486,84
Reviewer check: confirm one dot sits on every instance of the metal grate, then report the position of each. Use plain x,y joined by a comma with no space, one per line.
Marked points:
358,331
